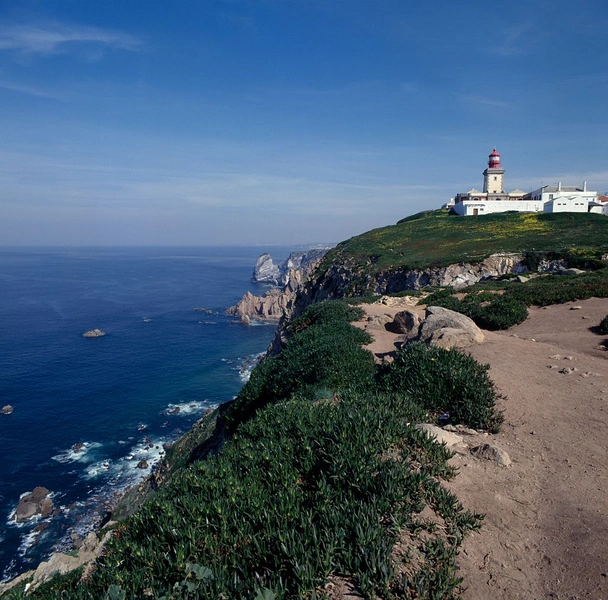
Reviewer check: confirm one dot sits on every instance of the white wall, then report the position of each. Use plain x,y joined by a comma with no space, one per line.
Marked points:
468,207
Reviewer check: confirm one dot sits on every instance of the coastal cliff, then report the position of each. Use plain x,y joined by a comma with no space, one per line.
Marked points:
325,442
289,276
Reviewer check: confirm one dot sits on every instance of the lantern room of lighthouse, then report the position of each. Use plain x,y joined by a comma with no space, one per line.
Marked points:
493,176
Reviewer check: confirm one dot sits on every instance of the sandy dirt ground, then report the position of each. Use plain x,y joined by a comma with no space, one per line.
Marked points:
545,532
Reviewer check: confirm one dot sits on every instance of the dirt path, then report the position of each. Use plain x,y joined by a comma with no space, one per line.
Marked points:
545,534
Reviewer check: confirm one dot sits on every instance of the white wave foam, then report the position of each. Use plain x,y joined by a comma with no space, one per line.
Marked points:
248,364
98,468
78,453
185,409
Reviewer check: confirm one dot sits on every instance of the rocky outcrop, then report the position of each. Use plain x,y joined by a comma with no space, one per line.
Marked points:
440,327
35,503
269,307
276,302
265,271
7,409
93,333
60,563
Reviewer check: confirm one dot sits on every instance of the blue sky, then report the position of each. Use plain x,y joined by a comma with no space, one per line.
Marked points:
194,122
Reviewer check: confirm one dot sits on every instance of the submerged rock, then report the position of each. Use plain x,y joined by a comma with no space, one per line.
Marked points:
7,409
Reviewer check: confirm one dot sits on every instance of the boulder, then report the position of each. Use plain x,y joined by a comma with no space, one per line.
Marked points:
493,453
448,329
405,322
570,271
7,409
33,504
441,435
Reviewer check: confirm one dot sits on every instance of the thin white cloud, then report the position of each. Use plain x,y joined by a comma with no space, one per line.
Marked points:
515,40
54,38
28,90
484,101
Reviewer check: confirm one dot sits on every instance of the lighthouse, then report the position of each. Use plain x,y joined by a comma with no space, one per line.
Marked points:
493,176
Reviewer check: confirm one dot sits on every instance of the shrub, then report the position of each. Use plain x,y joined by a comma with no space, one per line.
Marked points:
444,381
490,311
604,326
501,313
303,490
324,351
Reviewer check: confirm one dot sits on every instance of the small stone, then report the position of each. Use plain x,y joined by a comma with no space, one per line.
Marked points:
556,356
566,370
493,453
576,307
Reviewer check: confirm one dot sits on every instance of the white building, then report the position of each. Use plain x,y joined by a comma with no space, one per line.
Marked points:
494,199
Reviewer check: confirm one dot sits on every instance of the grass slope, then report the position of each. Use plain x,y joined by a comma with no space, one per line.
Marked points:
436,238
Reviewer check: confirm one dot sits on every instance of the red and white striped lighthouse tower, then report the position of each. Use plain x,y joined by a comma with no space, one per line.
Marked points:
493,176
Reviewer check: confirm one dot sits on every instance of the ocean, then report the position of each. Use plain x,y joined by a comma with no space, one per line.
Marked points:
88,411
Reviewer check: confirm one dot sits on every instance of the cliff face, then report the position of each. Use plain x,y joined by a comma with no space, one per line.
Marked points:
341,280
276,303
265,271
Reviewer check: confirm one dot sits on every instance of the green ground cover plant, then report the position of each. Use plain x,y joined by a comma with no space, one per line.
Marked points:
322,480
490,310
436,238
603,327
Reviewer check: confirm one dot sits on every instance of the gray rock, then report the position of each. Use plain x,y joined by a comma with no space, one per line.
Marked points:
7,409
93,333
571,271
441,435
493,453
32,504
265,271
447,328
405,322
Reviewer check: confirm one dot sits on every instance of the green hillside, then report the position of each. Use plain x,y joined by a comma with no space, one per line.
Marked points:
436,238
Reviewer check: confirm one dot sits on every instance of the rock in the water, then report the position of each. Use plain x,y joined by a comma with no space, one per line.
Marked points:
447,329
93,333
442,436
265,271
142,464
493,453
35,503
7,409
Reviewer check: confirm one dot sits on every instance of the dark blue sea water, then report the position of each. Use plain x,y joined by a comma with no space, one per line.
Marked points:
116,394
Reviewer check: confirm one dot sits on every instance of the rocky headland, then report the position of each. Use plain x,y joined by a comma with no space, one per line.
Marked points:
288,277
538,480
